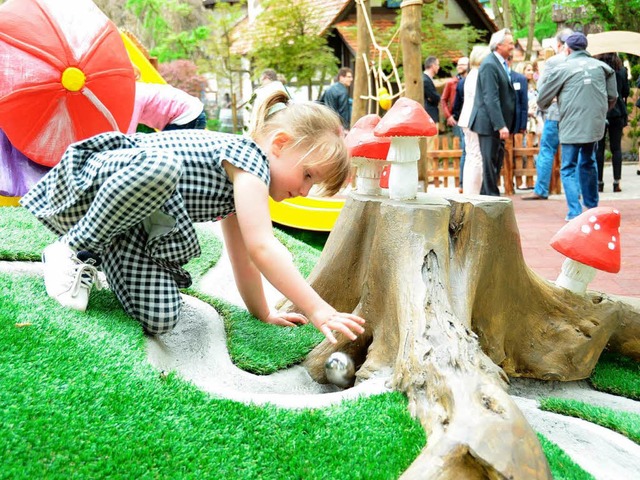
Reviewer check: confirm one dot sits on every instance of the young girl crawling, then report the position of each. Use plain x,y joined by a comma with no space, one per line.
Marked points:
128,204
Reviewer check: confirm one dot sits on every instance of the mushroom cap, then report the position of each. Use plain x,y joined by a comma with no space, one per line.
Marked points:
361,142
592,238
406,118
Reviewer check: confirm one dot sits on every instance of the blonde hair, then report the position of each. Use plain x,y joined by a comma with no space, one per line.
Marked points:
312,127
547,53
478,54
522,65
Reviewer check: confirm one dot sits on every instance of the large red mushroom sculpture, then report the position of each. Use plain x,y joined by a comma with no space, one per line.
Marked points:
591,242
405,123
368,153
64,76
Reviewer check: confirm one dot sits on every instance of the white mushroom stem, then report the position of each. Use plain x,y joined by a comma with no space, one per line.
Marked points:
575,276
368,175
404,154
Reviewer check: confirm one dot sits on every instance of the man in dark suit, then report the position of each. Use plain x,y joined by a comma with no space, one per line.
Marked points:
431,95
493,114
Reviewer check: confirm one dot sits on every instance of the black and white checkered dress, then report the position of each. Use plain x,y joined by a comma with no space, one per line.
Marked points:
133,201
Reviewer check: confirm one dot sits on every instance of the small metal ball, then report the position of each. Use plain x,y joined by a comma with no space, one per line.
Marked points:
340,370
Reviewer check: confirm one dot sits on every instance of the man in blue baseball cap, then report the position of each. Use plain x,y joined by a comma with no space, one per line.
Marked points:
586,89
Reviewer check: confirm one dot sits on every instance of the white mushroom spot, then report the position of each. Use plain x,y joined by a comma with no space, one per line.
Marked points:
592,218
611,245
616,211
613,238
586,229
596,226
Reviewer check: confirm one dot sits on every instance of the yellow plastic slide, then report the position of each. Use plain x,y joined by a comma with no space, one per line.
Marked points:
148,73
307,213
9,201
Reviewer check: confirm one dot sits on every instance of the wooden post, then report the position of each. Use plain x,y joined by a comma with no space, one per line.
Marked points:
507,166
361,79
234,113
410,41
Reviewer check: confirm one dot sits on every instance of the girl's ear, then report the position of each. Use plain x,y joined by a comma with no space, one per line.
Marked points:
279,142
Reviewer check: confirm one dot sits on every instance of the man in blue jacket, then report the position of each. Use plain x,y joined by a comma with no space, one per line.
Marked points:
337,97
521,87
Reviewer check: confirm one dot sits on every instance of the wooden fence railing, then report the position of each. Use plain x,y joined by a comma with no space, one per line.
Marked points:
518,169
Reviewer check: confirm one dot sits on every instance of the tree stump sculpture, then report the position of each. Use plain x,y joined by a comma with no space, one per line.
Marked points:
451,310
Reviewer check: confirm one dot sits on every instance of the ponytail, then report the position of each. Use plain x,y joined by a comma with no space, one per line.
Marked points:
269,99
313,128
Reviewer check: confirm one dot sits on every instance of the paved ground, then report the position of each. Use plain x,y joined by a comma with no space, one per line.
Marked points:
538,221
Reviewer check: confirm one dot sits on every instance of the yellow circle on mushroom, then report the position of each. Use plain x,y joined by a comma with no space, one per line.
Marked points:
73,79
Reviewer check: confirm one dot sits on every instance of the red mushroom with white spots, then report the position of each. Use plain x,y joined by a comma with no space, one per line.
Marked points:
368,153
406,123
590,241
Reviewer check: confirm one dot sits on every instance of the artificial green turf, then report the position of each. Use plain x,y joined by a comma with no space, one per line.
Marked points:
617,374
561,465
22,236
626,423
315,240
259,347
304,257
211,248
78,399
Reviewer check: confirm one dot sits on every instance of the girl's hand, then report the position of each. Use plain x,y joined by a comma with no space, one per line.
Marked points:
285,319
329,323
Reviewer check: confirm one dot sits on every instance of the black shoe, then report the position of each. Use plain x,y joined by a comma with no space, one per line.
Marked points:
616,187
533,196
601,187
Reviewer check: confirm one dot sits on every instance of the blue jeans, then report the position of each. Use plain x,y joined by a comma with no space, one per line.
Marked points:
457,131
549,142
579,173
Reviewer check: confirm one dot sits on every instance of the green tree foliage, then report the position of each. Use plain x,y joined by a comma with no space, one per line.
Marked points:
445,43
287,39
611,14
545,27
218,53
171,29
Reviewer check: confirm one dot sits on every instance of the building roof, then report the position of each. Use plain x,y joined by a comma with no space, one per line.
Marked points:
347,29
341,14
521,48
327,13
521,44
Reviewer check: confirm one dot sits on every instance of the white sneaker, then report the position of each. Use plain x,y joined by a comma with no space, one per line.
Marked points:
67,278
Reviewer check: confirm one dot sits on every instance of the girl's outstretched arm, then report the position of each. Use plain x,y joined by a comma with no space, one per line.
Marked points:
249,280
273,260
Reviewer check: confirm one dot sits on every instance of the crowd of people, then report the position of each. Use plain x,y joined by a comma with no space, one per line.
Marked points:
569,99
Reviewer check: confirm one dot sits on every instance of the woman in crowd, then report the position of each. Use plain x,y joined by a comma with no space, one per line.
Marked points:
616,121
472,173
